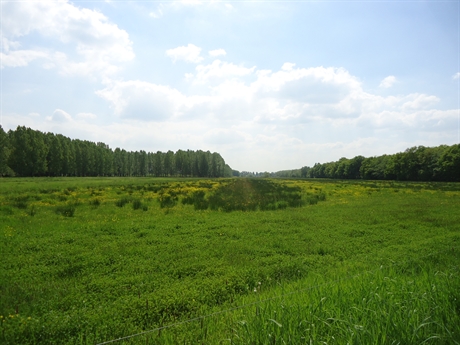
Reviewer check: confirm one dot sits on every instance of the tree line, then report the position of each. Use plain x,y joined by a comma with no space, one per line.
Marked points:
28,152
419,163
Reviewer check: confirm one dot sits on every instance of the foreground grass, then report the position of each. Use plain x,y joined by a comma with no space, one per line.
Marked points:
89,260
415,302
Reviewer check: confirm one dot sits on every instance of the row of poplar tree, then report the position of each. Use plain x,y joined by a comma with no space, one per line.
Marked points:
28,152
420,163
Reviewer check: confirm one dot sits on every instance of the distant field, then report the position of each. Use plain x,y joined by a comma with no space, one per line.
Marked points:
88,260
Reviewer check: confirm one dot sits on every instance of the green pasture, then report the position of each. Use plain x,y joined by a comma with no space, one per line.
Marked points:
251,261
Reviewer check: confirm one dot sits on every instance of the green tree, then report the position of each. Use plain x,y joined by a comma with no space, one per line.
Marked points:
28,152
68,165
449,164
169,163
55,157
353,167
5,170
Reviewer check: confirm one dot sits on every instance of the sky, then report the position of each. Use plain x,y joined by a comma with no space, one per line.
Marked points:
270,85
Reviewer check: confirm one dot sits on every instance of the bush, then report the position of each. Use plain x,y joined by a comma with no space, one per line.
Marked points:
21,202
167,201
66,210
32,211
95,202
281,205
122,202
250,195
137,204
197,199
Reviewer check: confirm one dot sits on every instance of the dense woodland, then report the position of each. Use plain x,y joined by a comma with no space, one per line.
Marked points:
441,163
28,152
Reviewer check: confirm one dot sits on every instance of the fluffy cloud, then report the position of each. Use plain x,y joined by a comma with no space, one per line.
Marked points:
291,96
220,70
217,52
60,116
20,58
142,100
291,112
225,136
388,82
190,2
98,45
189,53
86,116
158,13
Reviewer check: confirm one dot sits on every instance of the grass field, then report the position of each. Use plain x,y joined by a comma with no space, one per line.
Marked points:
88,260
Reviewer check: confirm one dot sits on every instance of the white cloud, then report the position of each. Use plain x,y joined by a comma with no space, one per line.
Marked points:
20,58
288,98
217,52
86,116
190,2
6,44
388,82
158,13
287,66
142,100
219,69
99,46
189,53
420,101
287,112
456,76
225,136
60,116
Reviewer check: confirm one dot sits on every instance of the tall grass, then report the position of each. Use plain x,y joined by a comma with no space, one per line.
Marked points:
383,306
107,272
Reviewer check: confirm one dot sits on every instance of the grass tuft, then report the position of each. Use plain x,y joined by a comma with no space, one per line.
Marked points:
122,202
66,210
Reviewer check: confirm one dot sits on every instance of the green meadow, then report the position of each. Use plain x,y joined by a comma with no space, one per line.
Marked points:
237,261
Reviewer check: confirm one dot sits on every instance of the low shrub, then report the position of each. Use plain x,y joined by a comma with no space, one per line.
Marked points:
197,199
95,202
137,204
32,211
167,200
21,202
66,210
122,202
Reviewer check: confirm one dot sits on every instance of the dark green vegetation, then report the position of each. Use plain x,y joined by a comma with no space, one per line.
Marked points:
250,195
90,260
420,163
27,152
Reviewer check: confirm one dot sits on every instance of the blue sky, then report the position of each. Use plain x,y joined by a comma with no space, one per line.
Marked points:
268,85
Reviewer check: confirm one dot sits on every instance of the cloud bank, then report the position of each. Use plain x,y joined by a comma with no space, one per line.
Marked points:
259,113
91,45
